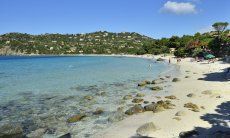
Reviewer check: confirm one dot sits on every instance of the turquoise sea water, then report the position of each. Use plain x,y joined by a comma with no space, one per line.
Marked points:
42,92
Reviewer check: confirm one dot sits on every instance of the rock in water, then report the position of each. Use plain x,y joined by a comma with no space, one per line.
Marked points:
175,80
127,97
98,111
140,95
68,135
116,116
160,59
137,100
37,133
156,88
11,131
143,83
135,109
88,97
146,129
158,81
76,118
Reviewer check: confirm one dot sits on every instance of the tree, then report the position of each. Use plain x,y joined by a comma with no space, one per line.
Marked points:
216,44
220,27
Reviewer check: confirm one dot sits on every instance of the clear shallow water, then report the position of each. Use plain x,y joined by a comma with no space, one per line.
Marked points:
42,92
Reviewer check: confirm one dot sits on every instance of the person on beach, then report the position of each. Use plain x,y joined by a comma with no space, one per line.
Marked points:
169,60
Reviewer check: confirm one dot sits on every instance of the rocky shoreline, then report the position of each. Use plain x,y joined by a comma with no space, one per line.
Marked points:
38,117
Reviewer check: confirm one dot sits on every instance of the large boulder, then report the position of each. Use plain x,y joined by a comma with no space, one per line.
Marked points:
11,131
76,118
135,109
147,129
150,107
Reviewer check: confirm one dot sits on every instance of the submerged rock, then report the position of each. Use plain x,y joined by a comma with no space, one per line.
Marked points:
158,81
76,118
135,109
140,95
146,102
160,59
137,100
156,88
167,77
116,116
88,97
175,80
127,97
68,135
11,131
101,93
146,129
37,133
192,107
143,83
98,111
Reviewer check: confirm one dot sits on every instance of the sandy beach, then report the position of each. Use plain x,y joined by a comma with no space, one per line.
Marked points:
201,84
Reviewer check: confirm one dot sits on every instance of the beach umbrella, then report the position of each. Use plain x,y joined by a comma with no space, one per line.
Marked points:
209,56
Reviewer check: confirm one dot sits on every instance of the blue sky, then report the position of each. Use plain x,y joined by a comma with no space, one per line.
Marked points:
154,18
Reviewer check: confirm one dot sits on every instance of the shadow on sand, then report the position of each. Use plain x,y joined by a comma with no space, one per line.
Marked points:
220,122
216,76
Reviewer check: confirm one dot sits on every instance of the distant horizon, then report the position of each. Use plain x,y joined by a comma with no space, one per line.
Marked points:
156,19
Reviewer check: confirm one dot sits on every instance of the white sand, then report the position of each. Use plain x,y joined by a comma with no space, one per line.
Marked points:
170,127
